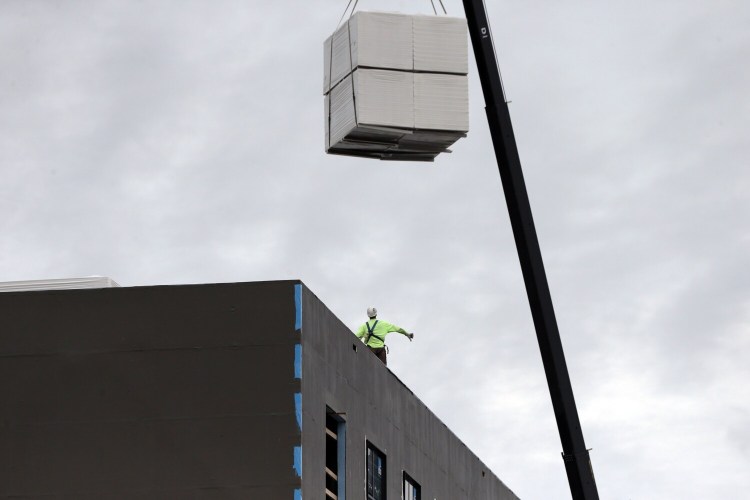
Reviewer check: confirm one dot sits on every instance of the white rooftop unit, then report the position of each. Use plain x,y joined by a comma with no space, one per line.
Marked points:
58,284
396,86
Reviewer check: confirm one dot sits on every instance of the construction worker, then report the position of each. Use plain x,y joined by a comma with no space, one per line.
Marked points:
374,331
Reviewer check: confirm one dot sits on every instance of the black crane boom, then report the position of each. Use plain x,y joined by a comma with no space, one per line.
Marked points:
575,455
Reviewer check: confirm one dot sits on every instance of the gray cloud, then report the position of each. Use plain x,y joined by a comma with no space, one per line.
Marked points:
183,142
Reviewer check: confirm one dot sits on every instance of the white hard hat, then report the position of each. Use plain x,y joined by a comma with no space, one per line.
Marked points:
371,312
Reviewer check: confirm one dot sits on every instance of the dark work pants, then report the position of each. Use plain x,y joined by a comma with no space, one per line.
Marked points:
380,353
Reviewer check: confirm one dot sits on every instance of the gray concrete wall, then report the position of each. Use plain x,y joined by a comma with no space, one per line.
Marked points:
378,408
149,393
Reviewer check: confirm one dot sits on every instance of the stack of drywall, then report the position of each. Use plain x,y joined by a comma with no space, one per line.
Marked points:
395,86
58,284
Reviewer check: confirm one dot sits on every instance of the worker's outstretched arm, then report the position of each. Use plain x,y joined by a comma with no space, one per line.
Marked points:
398,329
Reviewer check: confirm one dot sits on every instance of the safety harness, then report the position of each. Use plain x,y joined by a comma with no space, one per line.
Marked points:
371,332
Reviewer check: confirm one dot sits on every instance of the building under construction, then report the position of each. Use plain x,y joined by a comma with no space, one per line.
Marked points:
222,391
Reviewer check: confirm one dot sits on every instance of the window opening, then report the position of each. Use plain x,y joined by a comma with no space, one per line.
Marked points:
376,480
412,490
335,466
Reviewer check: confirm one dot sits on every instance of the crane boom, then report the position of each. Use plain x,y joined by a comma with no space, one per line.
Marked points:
575,455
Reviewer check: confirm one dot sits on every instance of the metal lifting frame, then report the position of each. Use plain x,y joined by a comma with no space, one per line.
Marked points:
575,455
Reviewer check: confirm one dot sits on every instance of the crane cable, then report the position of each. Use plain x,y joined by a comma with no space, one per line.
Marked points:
344,13
441,5
432,2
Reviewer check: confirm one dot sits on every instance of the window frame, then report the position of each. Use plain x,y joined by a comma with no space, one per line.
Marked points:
375,452
407,479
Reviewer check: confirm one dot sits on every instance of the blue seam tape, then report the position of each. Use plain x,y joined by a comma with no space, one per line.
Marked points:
298,460
298,361
298,306
298,408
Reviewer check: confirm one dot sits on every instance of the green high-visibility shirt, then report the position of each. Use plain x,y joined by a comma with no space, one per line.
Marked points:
381,329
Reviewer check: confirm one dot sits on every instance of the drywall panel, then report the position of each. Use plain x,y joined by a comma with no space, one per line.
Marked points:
342,119
58,284
384,98
440,44
131,318
441,102
150,392
381,40
337,58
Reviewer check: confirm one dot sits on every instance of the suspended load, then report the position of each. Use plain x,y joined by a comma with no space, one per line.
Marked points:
396,86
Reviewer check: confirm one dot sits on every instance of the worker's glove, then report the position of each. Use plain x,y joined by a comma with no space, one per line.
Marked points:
411,337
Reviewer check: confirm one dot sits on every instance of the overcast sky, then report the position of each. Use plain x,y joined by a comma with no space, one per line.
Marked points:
163,142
